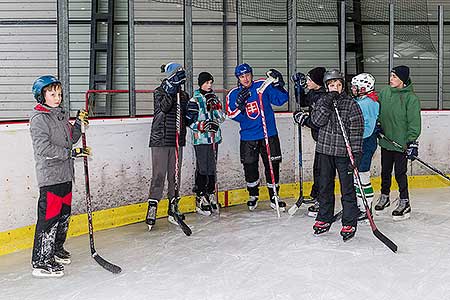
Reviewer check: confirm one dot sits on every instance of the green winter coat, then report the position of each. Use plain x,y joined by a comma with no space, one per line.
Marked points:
399,116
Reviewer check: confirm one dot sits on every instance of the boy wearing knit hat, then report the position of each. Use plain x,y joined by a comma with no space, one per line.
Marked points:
206,137
314,84
400,121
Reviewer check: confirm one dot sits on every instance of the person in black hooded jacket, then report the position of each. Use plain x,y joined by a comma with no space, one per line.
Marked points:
163,138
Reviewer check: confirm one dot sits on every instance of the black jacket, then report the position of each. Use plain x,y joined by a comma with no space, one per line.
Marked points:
309,100
163,132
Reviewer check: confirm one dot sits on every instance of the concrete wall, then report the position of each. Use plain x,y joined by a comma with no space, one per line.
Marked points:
120,168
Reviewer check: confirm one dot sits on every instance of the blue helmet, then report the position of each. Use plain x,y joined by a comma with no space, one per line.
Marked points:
39,85
170,68
242,69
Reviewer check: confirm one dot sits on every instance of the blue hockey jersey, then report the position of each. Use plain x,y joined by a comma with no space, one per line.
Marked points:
251,120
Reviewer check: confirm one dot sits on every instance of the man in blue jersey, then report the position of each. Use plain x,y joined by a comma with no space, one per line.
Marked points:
243,106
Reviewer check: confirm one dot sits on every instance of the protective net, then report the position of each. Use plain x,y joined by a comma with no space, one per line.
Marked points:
411,16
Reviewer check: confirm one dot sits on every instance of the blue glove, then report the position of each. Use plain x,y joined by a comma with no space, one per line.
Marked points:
279,83
242,97
178,78
170,88
300,117
192,112
413,150
299,79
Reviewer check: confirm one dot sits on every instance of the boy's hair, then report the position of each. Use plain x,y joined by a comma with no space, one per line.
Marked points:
333,81
51,87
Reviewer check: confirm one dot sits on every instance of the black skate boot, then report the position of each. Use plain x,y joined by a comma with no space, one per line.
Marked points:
173,209
321,227
402,211
150,219
347,232
313,210
362,217
281,204
202,205
62,256
382,203
215,205
47,269
252,202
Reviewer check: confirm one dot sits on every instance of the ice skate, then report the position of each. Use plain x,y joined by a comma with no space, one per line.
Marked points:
215,206
202,205
281,204
347,232
62,256
402,211
252,203
313,210
150,219
49,269
382,203
321,227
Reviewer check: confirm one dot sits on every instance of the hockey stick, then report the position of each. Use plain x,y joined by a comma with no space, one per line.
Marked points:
260,92
415,157
100,260
174,201
216,184
385,240
300,199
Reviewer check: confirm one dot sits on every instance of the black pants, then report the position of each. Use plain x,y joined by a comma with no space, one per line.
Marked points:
53,212
205,172
328,166
250,152
398,161
316,171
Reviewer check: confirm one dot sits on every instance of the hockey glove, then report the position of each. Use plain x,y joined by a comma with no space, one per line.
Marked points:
242,97
413,150
300,117
82,117
212,102
178,78
192,112
169,87
378,129
299,79
329,98
208,126
81,152
279,83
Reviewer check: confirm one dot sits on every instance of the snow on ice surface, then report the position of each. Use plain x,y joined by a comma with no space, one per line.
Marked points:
252,255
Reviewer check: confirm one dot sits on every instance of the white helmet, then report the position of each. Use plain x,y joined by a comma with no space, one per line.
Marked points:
364,80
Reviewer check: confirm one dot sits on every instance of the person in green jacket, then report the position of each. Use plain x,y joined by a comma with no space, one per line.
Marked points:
400,121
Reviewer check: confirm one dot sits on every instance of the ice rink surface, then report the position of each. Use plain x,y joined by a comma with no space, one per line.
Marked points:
253,255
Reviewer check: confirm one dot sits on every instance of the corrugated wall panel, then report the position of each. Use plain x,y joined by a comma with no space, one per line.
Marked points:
26,52
27,9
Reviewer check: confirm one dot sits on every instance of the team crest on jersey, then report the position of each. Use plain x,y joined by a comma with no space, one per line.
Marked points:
252,110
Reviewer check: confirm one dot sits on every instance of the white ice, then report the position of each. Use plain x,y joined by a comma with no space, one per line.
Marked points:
253,255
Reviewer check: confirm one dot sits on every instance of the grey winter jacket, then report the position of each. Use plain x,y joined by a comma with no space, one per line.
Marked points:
53,136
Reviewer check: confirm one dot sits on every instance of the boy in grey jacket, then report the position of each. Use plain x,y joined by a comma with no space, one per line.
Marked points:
53,136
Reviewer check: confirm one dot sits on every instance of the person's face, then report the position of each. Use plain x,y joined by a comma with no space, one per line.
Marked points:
207,86
311,85
395,82
335,86
53,97
246,80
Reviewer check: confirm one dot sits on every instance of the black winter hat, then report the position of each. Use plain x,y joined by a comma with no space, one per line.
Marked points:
402,73
316,75
204,77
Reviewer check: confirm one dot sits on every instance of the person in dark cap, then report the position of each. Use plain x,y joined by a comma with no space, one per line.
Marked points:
314,85
399,121
206,137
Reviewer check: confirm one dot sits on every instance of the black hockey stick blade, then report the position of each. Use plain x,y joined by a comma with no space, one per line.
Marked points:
385,240
106,264
187,231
